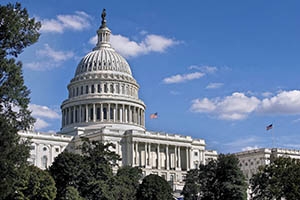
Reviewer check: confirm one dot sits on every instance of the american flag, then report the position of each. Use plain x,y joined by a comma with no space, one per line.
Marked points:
154,116
269,127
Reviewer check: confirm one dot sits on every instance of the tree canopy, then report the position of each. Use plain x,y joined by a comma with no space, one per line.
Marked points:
17,31
279,180
154,187
219,179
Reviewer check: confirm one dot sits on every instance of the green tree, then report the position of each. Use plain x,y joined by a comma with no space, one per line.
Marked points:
68,170
17,31
127,183
279,180
71,194
154,187
219,179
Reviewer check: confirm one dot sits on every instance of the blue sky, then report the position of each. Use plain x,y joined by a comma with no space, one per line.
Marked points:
217,70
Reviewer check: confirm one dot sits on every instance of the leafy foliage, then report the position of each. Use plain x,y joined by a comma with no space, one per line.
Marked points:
279,180
17,31
127,183
219,179
154,187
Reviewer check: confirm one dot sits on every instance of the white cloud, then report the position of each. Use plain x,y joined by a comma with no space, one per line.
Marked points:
205,69
40,124
42,114
179,78
57,56
234,107
214,85
43,111
238,105
78,21
129,48
267,94
48,58
285,102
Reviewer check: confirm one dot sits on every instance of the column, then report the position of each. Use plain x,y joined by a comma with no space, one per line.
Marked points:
191,160
117,117
146,158
132,154
187,158
114,115
130,114
94,112
167,157
137,154
101,112
149,154
80,114
175,159
158,157
123,113
108,112
179,158
126,115
86,113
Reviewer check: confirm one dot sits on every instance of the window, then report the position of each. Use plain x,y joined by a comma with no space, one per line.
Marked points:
77,91
104,113
98,113
86,89
93,88
57,149
81,90
45,149
195,153
99,88
44,161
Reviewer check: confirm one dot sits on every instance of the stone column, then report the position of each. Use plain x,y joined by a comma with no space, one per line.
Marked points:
191,160
108,112
94,112
176,158
86,113
167,157
137,153
130,114
179,158
158,157
187,158
146,158
101,112
117,117
80,114
132,154
149,149
123,113
114,115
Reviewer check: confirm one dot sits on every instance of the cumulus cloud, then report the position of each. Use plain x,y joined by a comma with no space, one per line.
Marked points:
214,85
238,106
286,102
129,48
77,22
179,78
205,69
234,107
48,58
42,114
43,111
40,124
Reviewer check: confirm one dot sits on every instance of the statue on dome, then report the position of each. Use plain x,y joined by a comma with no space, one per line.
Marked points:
103,15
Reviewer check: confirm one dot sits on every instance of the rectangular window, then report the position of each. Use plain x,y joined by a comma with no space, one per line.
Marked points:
86,89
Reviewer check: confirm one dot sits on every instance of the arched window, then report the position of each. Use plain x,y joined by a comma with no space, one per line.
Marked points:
99,88
44,161
93,88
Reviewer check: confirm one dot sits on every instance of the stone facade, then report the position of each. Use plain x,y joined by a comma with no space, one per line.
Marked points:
103,104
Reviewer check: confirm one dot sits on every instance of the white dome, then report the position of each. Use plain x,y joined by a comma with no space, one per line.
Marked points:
103,60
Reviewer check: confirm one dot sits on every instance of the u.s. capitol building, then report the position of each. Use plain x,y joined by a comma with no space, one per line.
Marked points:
103,104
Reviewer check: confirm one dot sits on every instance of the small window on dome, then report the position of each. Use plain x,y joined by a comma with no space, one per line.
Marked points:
86,89
81,90
99,88
93,89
